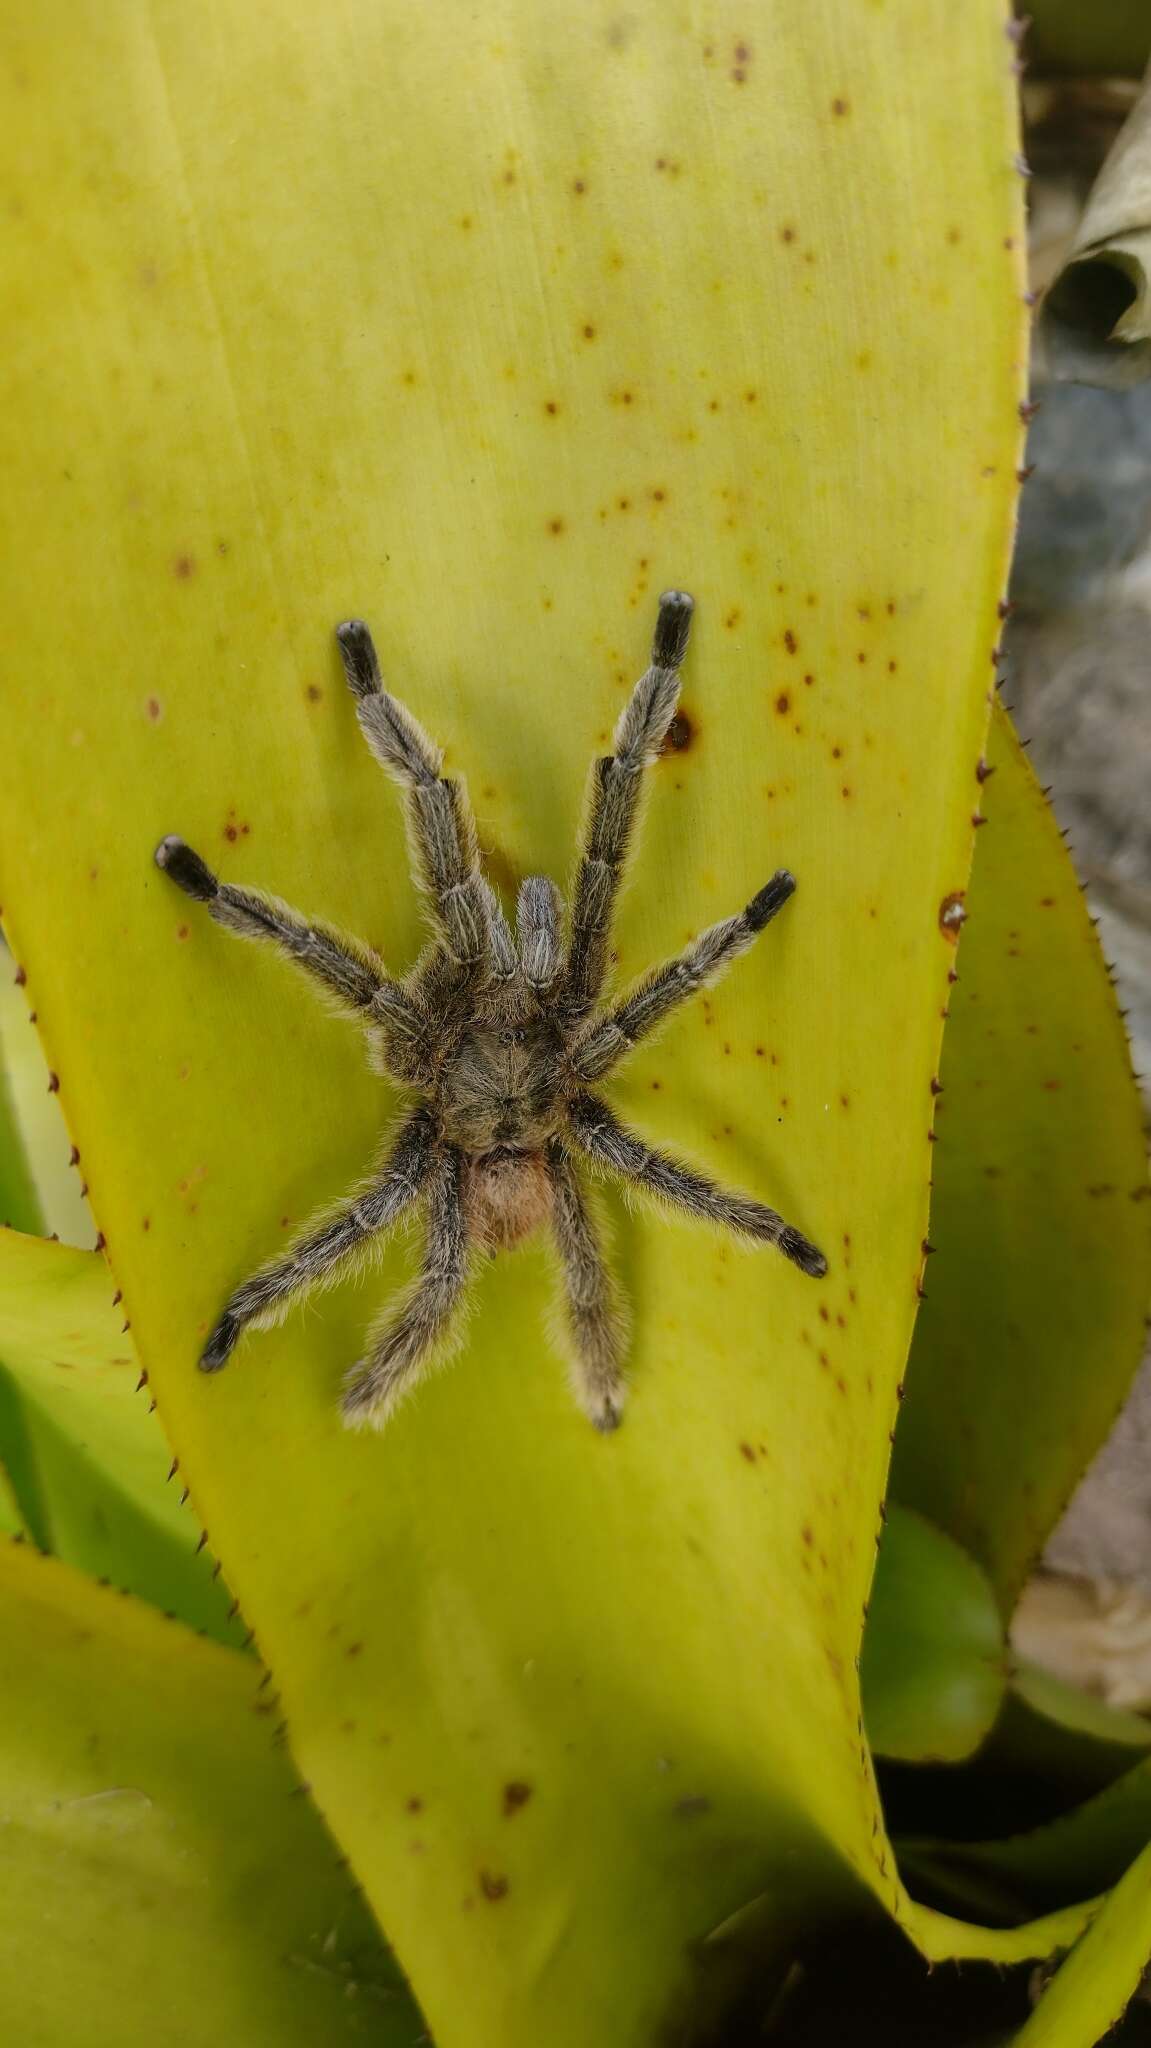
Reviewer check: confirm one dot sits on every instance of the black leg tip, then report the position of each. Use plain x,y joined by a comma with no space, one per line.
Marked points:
186,869
803,1254
672,628
220,1345
358,652
771,898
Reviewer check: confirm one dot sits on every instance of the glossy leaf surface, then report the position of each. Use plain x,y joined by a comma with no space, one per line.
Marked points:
87,1458
489,327
160,1882
1033,1326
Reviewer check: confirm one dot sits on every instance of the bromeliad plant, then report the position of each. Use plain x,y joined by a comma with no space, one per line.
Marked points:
494,327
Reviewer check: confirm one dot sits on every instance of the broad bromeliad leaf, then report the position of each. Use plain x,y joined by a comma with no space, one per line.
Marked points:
489,328
1093,1987
1033,1326
88,1461
160,1882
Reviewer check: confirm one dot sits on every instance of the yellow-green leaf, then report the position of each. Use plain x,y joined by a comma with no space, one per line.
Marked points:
88,1459
1034,1320
40,1183
488,326
160,1881
1092,1988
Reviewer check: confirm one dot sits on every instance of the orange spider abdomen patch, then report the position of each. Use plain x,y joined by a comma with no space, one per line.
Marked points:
507,1197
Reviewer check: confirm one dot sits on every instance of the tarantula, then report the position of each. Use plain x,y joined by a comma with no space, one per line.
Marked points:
502,1037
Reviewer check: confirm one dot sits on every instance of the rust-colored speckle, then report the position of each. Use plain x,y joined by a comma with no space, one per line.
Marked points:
353,1650
465,223
680,735
808,1534
555,526
516,1794
414,1805
184,567
840,107
551,407
783,703
231,831
53,1084
493,1886
740,60
579,187
952,914
953,236
790,641
147,1223
154,709
313,693
732,619
751,397
509,176
588,331
787,234
20,977
747,1451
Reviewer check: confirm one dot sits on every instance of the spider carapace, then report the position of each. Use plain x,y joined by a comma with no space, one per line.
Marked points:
505,1038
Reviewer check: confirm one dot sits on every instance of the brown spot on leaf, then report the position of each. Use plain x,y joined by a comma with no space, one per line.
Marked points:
184,567
154,709
790,641
952,914
516,1794
746,1451
840,107
680,735
313,693
556,525
493,1886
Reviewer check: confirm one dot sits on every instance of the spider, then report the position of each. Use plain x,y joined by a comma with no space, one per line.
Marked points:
504,1039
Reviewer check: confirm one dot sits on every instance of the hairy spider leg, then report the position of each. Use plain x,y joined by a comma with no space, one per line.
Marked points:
443,827
321,1253
614,802
538,910
344,967
662,991
402,1345
595,1318
606,1140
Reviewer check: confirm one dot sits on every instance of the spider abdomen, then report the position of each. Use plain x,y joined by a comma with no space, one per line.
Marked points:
507,1195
